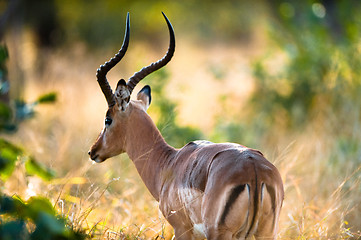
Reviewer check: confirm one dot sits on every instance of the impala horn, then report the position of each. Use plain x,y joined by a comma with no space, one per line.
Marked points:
104,69
138,76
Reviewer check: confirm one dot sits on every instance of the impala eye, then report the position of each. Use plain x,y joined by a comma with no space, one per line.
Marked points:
108,121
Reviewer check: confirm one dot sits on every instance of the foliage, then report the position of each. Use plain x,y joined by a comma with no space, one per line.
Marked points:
3,57
24,110
47,98
304,112
35,218
34,167
10,117
98,24
322,63
16,215
307,90
311,66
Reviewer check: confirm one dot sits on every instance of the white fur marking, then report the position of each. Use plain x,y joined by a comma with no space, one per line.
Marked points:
192,200
121,94
262,195
198,230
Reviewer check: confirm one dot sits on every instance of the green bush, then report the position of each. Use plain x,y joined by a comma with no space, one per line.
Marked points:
321,66
16,216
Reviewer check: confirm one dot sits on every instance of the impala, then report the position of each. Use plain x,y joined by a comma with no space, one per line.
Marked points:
205,190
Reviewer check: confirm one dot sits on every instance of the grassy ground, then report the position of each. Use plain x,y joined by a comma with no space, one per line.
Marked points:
108,201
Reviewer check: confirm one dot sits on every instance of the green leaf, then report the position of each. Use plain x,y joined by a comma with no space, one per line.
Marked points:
8,145
33,167
21,210
51,227
48,226
37,205
7,204
24,110
5,113
14,230
47,98
51,224
17,214
4,164
13,206
9,154
4,54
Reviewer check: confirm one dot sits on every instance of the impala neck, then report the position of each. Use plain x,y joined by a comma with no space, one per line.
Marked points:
148,150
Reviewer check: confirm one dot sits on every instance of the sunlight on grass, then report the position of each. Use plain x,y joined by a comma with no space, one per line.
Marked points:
109,201
299,105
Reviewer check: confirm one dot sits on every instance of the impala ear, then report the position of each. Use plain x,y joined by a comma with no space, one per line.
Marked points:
122,95
144,96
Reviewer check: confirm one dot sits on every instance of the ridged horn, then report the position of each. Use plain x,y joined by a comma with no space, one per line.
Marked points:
138,76
104,69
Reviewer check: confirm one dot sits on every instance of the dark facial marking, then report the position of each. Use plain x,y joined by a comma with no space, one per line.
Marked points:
146,89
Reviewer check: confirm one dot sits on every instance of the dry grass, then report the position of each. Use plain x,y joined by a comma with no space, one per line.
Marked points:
319,203
109,201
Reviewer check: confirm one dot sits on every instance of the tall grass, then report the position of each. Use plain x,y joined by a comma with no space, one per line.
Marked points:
313,137
109,201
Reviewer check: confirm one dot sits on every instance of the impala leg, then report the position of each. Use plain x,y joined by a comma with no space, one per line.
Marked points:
266,231
182,234
181,231
268,222
265,237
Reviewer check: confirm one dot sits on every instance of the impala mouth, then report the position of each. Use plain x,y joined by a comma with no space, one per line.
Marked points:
95,158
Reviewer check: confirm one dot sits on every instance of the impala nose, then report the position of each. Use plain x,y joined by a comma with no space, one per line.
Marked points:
92,154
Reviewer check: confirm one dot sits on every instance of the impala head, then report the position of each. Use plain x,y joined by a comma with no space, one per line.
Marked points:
112,139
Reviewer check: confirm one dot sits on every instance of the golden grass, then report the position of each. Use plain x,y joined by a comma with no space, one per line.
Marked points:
109,201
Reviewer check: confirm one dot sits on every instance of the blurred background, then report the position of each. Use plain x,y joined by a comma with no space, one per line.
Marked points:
283,77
